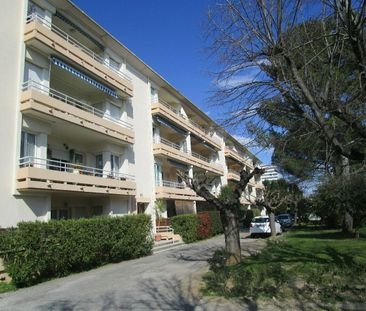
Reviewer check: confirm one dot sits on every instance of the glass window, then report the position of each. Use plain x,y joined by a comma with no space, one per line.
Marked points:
27,145
158,173
58,214
114,64
114,111
115,164
78,158
154,95
32,72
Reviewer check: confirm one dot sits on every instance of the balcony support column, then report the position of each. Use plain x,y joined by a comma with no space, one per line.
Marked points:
190,171
188,143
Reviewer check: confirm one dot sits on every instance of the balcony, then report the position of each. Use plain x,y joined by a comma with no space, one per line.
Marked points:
164,109
176,191
230,153
43,101
44,174
233,175
167,148
39,32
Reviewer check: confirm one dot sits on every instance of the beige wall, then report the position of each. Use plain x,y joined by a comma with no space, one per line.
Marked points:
143,157
11,64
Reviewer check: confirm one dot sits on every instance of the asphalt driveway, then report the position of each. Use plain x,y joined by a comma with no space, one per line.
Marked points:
166,281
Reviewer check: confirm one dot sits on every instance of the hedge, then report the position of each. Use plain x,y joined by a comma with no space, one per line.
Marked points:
216,222
192,227
44,250
186,226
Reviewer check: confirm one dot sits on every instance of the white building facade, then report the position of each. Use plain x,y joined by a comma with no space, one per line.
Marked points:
89,129
271,173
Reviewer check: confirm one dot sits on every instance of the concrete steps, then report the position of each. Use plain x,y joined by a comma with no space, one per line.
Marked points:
165,245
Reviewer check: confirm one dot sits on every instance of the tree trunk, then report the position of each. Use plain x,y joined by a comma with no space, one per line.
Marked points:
295,217
347,223
232,236
272,223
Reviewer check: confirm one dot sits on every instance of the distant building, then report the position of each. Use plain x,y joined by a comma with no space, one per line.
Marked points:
271,173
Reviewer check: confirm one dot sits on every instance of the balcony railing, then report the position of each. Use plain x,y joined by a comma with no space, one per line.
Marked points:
178,147
170,184
177,112
32,85
38,18
58,165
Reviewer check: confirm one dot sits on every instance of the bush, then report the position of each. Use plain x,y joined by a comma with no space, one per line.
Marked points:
216,222
43,250
204,229
186,226
193,227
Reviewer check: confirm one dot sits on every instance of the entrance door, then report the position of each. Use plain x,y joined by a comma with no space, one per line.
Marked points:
170,205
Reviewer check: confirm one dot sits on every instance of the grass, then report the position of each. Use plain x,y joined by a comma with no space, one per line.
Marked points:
4,287
310,264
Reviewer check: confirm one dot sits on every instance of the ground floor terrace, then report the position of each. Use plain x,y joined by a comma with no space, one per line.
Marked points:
56,206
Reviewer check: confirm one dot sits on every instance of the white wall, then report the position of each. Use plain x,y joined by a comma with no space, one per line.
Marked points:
12,15
143,162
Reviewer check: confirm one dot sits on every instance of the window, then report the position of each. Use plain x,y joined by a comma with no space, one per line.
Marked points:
114,64
99,165
158,174
78,158
32,72
96,211
114,111
154,95
27,147
115,165
58,214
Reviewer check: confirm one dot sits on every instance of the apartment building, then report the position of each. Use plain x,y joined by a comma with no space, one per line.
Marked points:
271,173
89,129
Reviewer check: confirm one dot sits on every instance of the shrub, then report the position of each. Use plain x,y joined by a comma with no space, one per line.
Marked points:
216,222
193,227
186,226
204,229
43,250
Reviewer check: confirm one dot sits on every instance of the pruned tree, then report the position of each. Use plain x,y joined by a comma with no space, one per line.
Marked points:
227,203
277,193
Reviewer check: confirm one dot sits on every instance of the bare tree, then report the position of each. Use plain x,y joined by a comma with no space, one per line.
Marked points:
228,206
301,60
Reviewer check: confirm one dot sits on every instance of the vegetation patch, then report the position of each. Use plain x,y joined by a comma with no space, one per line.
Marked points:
5,287
192,227
310,265
37,251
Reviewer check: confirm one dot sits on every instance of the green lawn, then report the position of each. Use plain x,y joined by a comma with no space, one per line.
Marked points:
6,287
308,264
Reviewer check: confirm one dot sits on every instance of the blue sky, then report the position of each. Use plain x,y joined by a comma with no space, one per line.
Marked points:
167,35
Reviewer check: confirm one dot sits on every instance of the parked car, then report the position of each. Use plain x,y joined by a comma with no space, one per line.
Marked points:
260,227
285,220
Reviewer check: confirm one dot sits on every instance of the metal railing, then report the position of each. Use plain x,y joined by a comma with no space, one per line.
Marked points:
171,184
177,112
32,85
164,141
234,172
63,166
198,156
38,18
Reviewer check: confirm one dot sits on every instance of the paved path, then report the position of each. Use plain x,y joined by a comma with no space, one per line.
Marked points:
165,281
